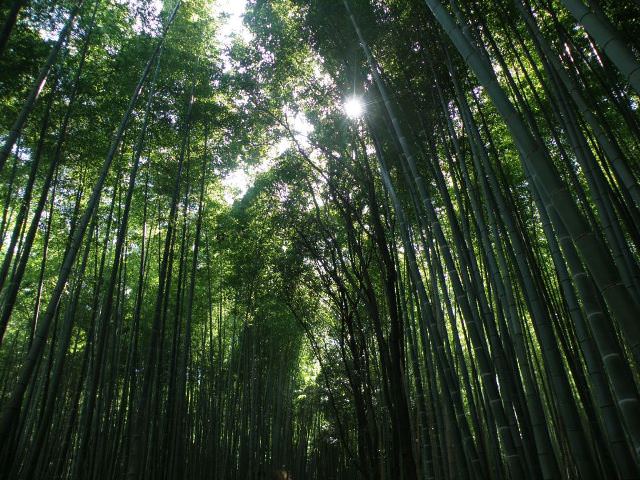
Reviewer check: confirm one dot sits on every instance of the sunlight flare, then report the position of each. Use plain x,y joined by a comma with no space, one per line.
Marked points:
353,107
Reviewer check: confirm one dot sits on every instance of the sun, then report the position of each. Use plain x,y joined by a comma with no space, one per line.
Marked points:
353,107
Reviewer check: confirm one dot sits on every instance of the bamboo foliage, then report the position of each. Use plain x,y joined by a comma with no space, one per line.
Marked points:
443,283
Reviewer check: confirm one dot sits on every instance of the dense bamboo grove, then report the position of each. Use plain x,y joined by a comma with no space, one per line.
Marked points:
445,285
